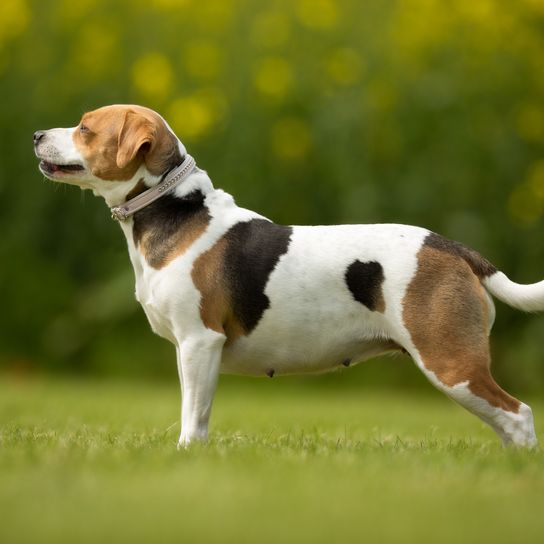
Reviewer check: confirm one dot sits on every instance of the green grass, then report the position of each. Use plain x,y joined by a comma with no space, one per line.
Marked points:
287,462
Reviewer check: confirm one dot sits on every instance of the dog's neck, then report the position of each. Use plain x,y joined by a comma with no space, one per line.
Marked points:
152,231
116,193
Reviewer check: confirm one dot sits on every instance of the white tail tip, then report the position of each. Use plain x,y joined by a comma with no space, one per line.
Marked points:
529,298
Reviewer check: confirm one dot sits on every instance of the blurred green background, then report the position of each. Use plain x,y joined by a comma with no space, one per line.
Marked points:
309,111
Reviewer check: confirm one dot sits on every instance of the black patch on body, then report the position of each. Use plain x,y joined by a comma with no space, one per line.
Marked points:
364,280
253,251
480,266
163,219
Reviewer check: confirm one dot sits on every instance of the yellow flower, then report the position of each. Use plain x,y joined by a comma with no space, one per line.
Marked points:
482,10
70,12
152,76
214,15
536,5
195,115
291,138
14,17
416,26
273,77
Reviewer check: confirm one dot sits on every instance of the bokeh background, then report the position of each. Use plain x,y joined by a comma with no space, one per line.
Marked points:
309,111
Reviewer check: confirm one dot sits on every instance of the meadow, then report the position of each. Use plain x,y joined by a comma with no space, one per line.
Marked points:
288,461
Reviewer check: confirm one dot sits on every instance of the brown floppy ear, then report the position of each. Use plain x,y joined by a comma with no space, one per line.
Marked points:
137,131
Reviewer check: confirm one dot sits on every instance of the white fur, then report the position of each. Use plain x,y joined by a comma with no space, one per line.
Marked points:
59,147
513,428
529,298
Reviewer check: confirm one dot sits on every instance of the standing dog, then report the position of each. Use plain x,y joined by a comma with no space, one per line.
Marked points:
236,293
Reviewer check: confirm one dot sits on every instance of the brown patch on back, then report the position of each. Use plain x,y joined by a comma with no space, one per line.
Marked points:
480,266
118,139
445,311
215,304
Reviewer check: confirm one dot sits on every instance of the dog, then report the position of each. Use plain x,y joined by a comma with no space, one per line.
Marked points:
237,293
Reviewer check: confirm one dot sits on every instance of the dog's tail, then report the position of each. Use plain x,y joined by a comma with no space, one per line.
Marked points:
529,298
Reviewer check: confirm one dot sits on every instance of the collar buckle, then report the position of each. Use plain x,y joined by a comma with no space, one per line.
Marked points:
118,213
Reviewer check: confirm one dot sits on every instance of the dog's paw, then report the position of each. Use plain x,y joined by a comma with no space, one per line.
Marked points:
183,444
186,439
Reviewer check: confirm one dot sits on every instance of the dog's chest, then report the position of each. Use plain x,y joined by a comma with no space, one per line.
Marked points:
167,297
154,311
170,300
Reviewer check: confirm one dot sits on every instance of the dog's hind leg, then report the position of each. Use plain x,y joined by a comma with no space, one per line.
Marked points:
478,392
199,359
447,313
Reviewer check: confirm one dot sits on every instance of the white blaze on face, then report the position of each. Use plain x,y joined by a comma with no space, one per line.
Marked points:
58,147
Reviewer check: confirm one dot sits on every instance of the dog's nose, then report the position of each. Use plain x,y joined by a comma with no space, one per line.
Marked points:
38,135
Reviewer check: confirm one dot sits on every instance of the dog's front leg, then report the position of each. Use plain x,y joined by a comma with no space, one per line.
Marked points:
180,374
199,358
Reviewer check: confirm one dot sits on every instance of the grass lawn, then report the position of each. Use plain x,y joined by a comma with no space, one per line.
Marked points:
287,462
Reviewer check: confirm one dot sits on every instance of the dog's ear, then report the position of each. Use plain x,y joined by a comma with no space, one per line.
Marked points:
137,133
150,135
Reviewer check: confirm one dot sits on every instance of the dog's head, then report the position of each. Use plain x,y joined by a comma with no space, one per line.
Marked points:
110,145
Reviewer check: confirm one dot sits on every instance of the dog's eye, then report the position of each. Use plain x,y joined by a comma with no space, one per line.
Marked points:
84,129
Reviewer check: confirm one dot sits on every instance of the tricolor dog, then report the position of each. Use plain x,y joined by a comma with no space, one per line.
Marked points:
237,293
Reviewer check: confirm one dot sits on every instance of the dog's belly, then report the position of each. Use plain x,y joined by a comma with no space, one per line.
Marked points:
293,338
296,341
253,360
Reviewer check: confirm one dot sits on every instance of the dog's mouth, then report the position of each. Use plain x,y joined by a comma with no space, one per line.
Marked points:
52,169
